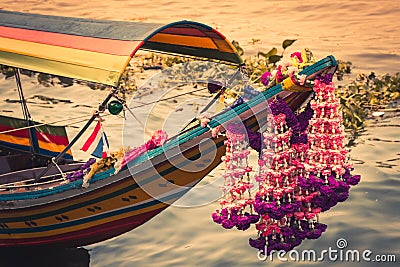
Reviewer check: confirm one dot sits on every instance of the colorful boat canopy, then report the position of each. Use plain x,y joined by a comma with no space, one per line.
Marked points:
100,50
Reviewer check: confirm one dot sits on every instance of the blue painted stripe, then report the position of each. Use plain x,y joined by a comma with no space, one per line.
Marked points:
91,218
52,153
183,22
15,146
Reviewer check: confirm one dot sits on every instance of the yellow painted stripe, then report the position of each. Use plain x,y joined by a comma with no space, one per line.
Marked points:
52,147
64,54
61,68
82,226
83,198
194,41
111,205
180,178
83,212
15,140
225,46
26,142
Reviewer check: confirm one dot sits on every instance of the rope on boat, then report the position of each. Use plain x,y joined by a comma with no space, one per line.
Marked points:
48,191
53,159
85,116
28,184
168,98
138,120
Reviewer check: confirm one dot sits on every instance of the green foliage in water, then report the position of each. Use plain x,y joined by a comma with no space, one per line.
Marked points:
366,94
358,98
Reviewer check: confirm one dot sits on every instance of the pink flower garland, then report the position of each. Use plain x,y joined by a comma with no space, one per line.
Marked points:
157,139
237,197
297,178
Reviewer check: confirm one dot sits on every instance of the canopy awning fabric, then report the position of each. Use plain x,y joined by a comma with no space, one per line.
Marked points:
46,140
100,50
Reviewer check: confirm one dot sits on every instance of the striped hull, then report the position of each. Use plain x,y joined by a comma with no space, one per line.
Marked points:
110,207
119,203
88,235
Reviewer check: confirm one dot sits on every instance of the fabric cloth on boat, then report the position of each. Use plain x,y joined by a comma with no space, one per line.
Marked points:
100,50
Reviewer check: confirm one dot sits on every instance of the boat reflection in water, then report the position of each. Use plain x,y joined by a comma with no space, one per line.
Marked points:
44,256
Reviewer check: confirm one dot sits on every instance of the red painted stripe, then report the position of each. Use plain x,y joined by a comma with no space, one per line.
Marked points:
59,140
219,34
20,133
136,49
92,137
88,235
212,33
184,31
107,46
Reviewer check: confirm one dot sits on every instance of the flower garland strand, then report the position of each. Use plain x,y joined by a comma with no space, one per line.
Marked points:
303,170
328,165
286,217
237,202
277,180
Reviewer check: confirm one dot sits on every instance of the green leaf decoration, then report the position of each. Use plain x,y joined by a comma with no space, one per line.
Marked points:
262,54
272,52
274,58
238,47
287,43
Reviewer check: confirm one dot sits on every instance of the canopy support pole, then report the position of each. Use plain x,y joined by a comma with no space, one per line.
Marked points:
101,108
27,116
25,111
216,97
139,121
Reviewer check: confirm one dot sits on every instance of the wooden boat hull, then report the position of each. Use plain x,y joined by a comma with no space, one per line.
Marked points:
106,209
114,204
122,202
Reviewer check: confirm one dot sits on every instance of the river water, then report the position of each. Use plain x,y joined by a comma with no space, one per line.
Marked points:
363,32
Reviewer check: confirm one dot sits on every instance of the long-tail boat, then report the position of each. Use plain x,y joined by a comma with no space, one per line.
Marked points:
37,205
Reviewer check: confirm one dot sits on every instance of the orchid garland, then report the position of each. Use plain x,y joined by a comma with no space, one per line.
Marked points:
291,68
303,170
237,197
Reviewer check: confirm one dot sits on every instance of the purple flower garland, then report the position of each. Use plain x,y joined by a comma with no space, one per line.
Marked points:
285,207
78,175
255,140
298,123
